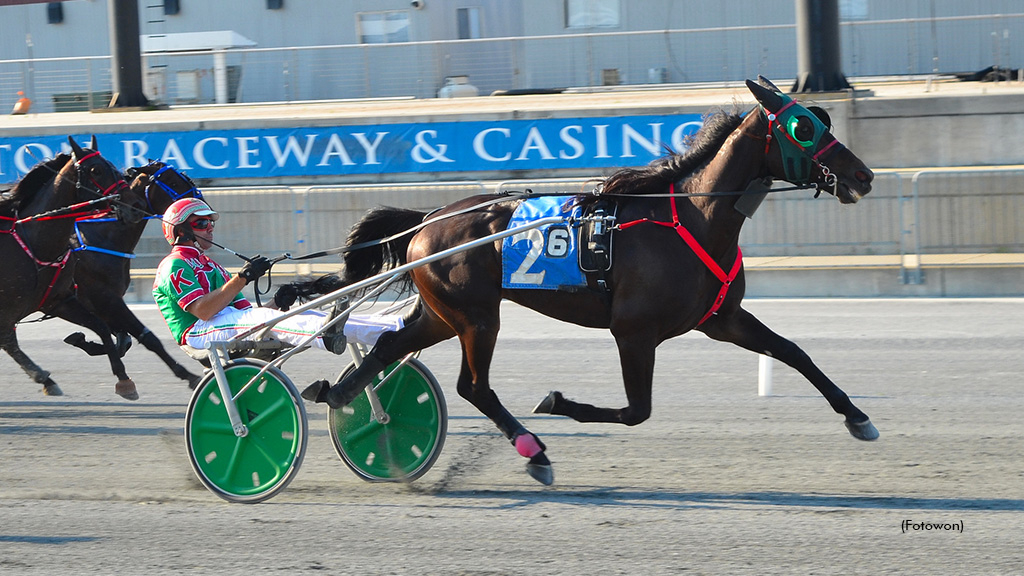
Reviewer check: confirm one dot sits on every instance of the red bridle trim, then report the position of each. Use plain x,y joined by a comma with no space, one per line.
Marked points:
86,157
701,253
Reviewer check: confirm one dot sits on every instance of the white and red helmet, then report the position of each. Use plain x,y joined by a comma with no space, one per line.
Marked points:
180,211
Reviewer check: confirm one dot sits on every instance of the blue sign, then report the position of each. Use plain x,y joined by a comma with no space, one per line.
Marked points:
507,146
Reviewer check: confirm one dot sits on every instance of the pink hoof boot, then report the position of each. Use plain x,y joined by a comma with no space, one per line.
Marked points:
539,467
528,446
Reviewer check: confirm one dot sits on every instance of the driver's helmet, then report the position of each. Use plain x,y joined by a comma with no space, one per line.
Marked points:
180,211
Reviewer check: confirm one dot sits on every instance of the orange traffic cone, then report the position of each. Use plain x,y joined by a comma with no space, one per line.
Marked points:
22,105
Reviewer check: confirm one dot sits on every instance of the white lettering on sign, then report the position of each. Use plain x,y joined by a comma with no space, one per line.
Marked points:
199,153
3,147
442,146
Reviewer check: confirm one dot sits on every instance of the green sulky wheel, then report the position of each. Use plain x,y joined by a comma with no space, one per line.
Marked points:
407,444
258,465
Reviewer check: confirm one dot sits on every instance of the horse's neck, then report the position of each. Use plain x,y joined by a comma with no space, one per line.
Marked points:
48,239
58,192
739,162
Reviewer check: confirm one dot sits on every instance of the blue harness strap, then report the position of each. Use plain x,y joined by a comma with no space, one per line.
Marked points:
82,246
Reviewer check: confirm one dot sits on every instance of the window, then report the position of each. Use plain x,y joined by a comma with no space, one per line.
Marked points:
172,7
54,12
383,27
591,13
469,23
275,4
853,10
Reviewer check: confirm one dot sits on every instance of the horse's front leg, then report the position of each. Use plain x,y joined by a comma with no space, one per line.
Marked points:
73,311
744,330
9,342
636,356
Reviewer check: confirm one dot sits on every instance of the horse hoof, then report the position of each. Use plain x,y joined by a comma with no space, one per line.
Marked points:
75,339
317,391
862,431
548,403
126,389
52,390
542,473
193,381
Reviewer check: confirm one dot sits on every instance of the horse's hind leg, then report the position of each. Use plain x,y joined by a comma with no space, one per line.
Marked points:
119,317
422,330
73,311
743,329
478,342
636,356
9,342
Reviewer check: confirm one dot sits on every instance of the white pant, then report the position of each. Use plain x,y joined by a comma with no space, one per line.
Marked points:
230,322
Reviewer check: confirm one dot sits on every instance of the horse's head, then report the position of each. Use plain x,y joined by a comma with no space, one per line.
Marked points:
802,150
98,178
160,185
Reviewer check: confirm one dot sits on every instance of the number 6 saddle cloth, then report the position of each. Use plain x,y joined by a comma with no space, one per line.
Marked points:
545,258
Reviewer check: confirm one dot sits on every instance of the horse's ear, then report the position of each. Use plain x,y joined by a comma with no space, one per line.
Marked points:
768,98
75,148
92,143
767,83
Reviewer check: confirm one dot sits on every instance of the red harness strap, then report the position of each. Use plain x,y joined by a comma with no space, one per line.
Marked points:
58,264
701,253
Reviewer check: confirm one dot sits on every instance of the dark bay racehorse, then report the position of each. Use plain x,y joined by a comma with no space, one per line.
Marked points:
36,255
103,248
677,266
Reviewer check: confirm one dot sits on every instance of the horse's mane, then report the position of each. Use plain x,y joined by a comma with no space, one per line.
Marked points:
32,182
701,147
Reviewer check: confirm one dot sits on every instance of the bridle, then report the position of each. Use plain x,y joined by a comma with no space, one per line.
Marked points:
799,156
154,180
113,191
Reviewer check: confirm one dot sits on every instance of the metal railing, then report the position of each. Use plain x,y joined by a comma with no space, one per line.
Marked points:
908,213
905,47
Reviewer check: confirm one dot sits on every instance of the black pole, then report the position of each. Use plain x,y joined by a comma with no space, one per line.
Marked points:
817,36
126,54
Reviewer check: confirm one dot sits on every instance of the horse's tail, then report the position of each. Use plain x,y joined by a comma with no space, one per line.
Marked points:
362,262
379,223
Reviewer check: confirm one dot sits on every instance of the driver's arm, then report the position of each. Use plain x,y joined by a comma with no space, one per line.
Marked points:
208,305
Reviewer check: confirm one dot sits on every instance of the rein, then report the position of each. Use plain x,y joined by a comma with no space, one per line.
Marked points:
379,241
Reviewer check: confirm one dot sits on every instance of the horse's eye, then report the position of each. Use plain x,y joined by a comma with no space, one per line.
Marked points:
802,130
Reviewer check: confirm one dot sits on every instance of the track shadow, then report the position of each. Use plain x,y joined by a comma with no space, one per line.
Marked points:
58,540
611,497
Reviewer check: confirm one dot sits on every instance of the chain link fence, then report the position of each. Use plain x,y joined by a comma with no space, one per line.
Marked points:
420,69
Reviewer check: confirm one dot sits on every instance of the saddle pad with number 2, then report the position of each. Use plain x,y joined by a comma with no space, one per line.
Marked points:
542,258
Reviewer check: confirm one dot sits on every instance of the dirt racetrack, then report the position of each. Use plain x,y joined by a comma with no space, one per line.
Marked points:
718,481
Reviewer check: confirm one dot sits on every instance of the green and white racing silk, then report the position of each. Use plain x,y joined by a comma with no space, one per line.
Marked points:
184,276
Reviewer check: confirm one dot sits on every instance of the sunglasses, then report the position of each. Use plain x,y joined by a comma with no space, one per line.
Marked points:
202,224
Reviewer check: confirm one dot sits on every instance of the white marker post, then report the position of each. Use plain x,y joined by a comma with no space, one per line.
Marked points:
764,375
